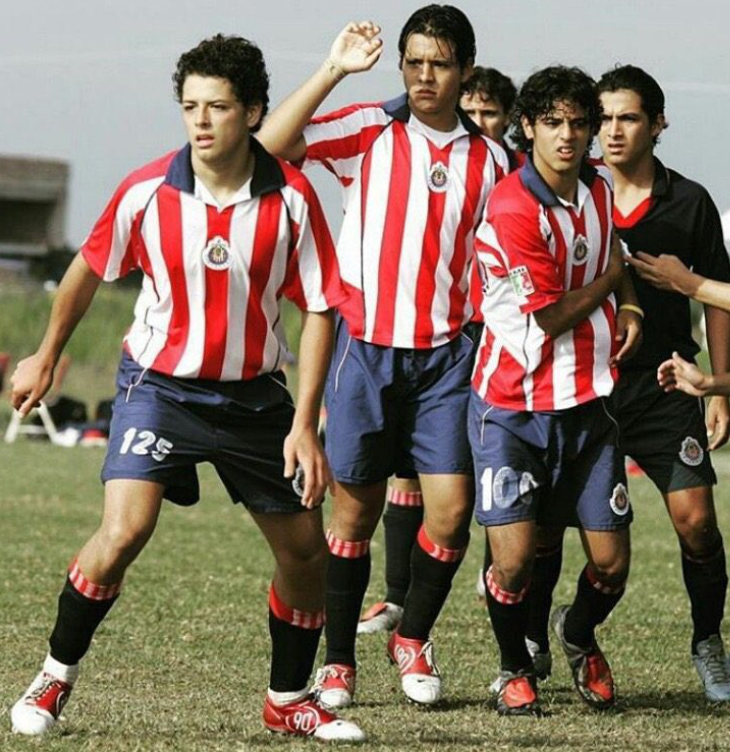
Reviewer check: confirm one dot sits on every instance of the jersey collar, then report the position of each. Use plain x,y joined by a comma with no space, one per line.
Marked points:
398,109
535,183
661,180
267,174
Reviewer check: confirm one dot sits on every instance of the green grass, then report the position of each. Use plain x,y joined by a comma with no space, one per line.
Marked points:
181,663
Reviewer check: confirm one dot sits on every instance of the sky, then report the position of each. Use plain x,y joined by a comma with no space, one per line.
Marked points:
89,81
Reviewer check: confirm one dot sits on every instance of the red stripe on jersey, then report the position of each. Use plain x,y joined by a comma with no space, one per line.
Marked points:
430,252
604,199
264,247
392,244
543,386
171,242
344,148
216,299
507,379
584,339
474,181
482,359
345,111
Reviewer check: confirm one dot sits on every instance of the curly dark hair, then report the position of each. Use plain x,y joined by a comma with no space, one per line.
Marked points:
442,22
639,81
491,84
234,58
549,87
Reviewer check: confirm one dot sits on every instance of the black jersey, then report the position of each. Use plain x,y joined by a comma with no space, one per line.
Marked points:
684,221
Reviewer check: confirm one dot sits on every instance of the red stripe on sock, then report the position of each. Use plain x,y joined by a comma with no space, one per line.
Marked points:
504,596
293,616
347,549
404,498
439,553
89,589
600,586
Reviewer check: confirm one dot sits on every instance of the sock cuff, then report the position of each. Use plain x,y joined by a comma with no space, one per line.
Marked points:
717,555
293,616
286,698
347,549
440,553
602,587
501,595
61,671
400,498
89,589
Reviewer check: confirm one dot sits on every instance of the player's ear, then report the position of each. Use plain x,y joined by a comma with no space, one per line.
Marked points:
527,128
659,125
253,114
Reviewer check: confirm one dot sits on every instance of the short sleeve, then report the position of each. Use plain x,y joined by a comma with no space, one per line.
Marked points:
312,280
339,140
710,254
515,242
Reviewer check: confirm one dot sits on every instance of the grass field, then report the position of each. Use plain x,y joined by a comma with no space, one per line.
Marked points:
181,663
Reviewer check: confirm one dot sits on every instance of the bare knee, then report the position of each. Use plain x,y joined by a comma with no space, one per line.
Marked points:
512,574
122,541
611,573
697,529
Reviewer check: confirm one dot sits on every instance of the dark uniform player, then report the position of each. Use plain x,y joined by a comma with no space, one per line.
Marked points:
415,174
658,212
544,441
487,98
220,230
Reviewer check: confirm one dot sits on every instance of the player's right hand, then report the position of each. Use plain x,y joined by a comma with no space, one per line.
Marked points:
677,373
357,47
30,381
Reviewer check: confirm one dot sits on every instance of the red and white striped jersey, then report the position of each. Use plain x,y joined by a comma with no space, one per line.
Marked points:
213,277
411,209
533,247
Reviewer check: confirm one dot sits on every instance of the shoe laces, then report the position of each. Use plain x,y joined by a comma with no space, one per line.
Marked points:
330,671
48,683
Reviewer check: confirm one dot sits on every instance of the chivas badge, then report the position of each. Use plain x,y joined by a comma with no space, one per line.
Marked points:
580,249
691,452
619,500
217,254
438,177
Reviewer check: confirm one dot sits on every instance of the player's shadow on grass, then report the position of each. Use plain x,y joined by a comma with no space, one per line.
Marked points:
681,702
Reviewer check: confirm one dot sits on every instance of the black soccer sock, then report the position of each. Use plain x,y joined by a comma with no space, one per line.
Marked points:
294,641
508,614
402,521
432,572
348,574
82,606
545,575
593,602
706,582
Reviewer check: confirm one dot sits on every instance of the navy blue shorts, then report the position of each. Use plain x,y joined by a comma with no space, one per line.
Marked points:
162,427
397,410
560,468
663,432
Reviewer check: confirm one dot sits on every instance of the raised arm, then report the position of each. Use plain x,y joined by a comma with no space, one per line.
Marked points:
577,305
357,48
34,375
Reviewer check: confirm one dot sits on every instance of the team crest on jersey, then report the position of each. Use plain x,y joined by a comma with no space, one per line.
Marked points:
580,249
619,500
691,452
438,177
217,254
521,281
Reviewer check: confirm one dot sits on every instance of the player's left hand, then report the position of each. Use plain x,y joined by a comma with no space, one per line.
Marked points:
678,373
303,448
665,271
628,331
717,420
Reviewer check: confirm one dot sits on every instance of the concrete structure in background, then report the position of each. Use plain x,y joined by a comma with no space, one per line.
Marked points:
33,195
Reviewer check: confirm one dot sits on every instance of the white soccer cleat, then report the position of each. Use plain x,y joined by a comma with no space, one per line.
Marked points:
334,685
39,709
420,677
712,666
380,617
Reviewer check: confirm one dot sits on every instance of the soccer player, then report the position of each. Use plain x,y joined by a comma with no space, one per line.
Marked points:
415,173
660,213
541,426
220,231
487,98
